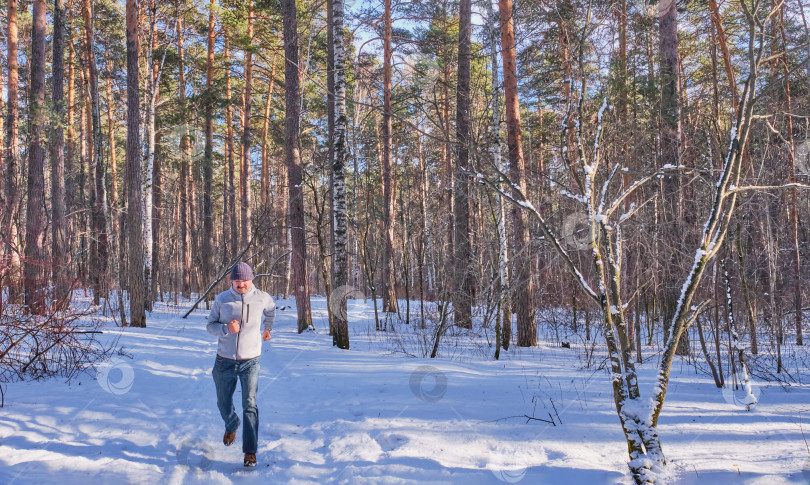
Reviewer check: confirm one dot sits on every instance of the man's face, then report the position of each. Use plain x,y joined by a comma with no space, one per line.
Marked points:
241,286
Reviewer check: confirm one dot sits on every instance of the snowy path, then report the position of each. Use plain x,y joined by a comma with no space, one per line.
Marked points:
366,416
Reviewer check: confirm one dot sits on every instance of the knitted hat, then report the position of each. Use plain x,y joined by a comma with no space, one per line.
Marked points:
242,272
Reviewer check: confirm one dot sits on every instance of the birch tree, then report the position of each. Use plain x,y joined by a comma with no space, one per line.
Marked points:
340,269
503,328
152,91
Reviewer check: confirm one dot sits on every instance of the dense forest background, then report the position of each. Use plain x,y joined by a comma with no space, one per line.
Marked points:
227,158
499,161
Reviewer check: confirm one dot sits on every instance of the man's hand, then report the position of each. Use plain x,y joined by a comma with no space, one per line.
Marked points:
266,335
233,326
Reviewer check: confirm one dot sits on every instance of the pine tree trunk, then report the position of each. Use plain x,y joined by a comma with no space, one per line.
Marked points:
796,276
447,159
70,155
208,159
34,277
115,232
185,169
265,175
156,199
340,269
232,226
721,40
86,248
294,170
12,169
59,248
463,279
98,190
244,171
521,271
157,215
330,154
670,72
136,283
2,140
389,295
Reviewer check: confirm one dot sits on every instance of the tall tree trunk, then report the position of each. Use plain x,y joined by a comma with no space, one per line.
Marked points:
157,215
463,280
98,190
244,171
185,165
794,207
2,142
116,214
34,276
208,159
807,33
152,86
231,225
446,155
115,233
521,271
59,248
330,154
292,156
87,185
152,195
265,175
670,72
154,198
12,178
340,268
389,286
625,127
505,328
86,247
136,282
70,156
721,40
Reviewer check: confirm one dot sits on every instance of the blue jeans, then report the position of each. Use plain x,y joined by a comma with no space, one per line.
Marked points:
225,373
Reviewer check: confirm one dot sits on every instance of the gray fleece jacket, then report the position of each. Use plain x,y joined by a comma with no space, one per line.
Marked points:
254,310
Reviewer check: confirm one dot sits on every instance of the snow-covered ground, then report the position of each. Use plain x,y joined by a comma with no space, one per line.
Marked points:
376,414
